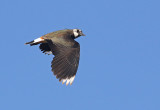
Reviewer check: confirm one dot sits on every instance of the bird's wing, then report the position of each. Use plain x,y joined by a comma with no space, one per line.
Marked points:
66,61
44,47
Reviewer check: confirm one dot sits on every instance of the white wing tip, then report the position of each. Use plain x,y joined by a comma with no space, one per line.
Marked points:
70,80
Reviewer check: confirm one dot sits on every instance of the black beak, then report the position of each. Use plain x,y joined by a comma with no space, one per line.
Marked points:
83,34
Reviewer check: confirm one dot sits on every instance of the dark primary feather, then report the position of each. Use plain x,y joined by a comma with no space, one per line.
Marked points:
66,60
44,47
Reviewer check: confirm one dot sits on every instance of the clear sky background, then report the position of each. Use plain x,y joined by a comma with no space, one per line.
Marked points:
119,62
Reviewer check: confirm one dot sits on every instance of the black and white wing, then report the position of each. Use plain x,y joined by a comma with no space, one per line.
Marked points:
66,61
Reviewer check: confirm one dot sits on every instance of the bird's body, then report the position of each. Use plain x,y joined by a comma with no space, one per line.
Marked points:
66,51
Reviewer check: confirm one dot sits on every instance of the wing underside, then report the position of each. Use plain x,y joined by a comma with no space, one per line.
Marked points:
65,67
65,63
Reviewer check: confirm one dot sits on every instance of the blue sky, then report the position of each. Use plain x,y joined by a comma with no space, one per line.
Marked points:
119,63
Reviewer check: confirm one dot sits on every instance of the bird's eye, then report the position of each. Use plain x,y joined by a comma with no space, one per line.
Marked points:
78,31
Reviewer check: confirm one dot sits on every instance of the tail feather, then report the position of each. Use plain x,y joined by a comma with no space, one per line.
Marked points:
35,42
32,43
29,42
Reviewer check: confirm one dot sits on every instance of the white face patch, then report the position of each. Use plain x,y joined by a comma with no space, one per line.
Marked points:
75,32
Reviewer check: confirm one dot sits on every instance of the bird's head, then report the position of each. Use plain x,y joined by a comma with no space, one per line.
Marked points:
77,33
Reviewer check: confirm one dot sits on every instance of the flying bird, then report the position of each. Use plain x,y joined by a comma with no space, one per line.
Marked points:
66,52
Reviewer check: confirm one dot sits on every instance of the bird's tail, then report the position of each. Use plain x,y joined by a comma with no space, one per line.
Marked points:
36,41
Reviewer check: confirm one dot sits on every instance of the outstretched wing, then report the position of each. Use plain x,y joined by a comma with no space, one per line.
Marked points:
66,61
